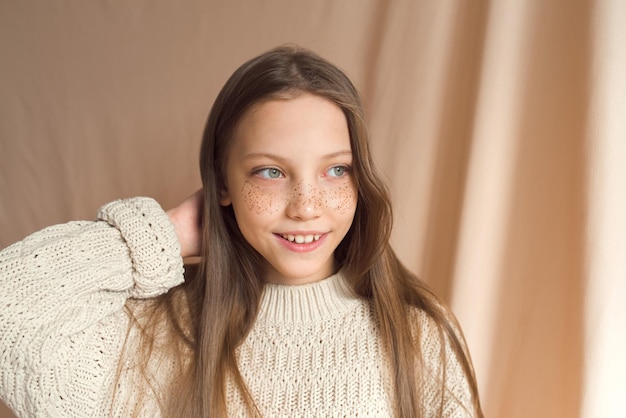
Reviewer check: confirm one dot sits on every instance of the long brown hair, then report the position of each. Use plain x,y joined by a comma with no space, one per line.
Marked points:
222,299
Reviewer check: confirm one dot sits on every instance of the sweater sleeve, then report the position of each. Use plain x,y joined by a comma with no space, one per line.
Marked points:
66,279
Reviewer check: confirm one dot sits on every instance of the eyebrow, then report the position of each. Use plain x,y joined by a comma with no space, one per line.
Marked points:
256,155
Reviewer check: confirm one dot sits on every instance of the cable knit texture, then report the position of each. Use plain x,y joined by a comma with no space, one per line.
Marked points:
313,351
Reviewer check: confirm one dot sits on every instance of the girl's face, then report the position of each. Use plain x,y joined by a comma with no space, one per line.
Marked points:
289,179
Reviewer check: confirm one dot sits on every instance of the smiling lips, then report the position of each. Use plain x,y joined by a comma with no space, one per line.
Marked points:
302,242
301,239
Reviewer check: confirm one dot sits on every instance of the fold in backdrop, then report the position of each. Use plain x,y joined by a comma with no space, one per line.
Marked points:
499,125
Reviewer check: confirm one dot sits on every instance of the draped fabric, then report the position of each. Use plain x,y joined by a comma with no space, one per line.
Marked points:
499,126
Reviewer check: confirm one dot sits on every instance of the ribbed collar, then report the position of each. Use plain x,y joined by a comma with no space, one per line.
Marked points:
313,302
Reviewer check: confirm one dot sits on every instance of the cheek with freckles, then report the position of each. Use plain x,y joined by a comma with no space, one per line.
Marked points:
259,200
339,198
342,199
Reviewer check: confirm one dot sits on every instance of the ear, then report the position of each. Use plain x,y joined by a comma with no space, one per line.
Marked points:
225,199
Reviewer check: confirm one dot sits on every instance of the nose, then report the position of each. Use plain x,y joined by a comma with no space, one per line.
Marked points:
305,202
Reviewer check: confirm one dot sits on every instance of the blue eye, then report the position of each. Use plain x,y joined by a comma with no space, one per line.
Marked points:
269,173
337,171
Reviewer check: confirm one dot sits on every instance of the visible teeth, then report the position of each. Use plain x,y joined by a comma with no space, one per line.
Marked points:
301,239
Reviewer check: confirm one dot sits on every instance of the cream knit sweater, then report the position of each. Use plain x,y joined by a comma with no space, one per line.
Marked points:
313,352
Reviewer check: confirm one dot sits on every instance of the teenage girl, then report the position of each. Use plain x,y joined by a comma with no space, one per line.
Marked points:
298,307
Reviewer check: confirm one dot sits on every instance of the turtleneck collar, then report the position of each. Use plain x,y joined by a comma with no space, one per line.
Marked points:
312,302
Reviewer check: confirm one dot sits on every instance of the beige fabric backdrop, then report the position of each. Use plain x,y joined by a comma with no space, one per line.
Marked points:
498,124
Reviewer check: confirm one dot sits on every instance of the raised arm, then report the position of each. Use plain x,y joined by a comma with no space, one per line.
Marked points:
187,218
59,286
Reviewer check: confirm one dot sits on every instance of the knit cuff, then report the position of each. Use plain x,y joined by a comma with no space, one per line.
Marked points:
152,243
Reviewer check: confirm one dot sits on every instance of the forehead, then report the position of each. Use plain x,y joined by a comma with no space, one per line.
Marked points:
305,123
